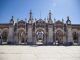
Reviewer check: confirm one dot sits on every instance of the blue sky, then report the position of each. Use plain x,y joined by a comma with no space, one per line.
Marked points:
59,8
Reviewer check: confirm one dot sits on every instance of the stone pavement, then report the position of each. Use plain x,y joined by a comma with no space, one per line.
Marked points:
39,52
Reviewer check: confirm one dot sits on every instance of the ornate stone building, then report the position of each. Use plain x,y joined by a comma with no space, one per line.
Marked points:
40,31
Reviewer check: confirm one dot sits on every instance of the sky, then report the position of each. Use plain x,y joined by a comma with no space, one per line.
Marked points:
40,9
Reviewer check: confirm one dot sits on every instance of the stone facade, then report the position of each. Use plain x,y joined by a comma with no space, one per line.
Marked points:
40,31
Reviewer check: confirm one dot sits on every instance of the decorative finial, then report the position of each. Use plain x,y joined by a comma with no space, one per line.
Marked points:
62,20
49,11
30,17
40,14
12,17
30,11
25,19
50,15
67,17
54,20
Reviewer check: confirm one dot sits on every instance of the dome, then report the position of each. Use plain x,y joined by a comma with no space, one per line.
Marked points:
40,21
21,21
59,22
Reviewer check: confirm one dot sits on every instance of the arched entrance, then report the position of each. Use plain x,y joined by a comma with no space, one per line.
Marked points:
4,36
59,37
21,36
75,37
39,37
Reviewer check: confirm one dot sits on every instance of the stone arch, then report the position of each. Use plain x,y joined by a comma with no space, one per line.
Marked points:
75,35
59,29
0,31
0,35
21,35
40,29
4,34
74,30
59,35
40,35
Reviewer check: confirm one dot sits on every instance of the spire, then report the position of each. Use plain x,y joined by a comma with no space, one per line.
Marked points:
62,20
30,17
17,23
67,17
25,23
12,17
54,20
40,14
12,20
68,20
50,15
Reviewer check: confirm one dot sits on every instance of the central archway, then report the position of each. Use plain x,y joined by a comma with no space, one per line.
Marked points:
59,37
21,36
40,36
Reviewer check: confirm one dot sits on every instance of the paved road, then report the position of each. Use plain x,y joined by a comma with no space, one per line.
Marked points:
39,53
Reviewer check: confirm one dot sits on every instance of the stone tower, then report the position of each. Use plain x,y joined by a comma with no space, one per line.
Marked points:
30,28
69,30
11,32
50,29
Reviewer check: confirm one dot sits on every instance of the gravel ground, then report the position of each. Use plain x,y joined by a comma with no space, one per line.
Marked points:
39,52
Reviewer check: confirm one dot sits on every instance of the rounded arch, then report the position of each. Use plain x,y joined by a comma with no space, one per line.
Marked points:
74,30
59,29
59,36
5,29
40,35
75,35
40,29
4,34
0,31
21,35
20,29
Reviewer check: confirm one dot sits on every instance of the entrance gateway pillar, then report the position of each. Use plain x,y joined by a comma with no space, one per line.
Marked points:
50,35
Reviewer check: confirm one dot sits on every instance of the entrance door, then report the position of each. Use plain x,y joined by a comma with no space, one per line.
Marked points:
39,37
75,38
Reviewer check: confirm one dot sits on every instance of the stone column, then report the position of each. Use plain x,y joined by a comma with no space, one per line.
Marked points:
64,39
50,34
79,38
30,39
16,38
45,39
69,34
11,35
34,38
0,39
